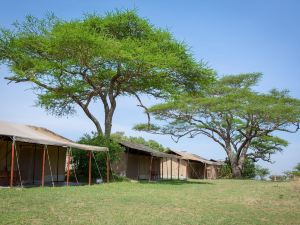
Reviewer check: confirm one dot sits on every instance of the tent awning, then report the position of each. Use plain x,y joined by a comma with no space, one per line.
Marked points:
40,135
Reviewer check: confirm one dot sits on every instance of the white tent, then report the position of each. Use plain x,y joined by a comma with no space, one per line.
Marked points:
40,135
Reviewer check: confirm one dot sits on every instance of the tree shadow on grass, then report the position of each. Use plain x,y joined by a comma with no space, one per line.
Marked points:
176,182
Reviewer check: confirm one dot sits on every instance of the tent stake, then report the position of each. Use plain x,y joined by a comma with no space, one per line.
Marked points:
90,168
12,164
68,168
43,166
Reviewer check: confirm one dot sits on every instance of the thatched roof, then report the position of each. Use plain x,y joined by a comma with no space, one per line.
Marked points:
40,135
194,157
146,149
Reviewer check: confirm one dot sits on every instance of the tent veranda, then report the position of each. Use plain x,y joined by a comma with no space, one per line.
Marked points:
37,153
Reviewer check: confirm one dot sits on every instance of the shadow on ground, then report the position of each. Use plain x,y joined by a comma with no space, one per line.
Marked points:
176,182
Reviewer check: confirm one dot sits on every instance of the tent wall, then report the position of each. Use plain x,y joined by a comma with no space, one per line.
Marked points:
30,162
137,166
212,171
120,166
196,170
173,168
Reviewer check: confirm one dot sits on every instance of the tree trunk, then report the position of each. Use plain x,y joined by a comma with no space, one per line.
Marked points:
236,172
109,113
108,125
236,166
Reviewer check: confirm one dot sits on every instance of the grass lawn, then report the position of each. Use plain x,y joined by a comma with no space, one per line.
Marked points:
194,202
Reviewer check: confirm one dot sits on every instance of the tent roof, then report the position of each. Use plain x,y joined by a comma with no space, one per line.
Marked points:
194,157
40,135
146,149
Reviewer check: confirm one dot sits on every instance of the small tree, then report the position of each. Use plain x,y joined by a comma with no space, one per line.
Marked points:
81,159
297,167
98,59
261,172
243,122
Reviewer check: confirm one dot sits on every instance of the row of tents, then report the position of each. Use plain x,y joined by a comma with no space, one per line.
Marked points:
141,162
34,156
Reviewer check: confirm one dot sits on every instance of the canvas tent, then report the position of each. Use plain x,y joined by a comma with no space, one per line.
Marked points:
198,167
30,154
140,162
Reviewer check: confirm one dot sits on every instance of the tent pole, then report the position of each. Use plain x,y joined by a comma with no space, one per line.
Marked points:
57,164
162,167
43,166
90,168
171,169
187,169
6,156
68,168
33,168
107,167
178,168
12,163
150,168
167,165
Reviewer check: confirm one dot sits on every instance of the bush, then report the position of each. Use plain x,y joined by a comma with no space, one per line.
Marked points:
81,158
248,170
261,172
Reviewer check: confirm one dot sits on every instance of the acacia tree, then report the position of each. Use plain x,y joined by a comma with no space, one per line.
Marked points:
243,122
98,59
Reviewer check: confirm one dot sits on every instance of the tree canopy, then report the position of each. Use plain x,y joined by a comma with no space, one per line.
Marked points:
243,122
97,59
120,136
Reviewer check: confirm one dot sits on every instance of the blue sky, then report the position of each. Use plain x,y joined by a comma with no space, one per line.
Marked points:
232,36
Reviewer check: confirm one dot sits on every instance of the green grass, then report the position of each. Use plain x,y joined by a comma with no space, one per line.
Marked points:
204,202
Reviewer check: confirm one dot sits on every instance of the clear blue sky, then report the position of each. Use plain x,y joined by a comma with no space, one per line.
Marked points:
232,36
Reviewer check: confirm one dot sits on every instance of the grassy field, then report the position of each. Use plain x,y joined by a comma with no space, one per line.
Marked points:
194,202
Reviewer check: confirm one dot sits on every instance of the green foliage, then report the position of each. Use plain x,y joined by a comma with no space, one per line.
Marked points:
248,171
261,172
81,158
98,58
119,136
225,171
297,167
242,121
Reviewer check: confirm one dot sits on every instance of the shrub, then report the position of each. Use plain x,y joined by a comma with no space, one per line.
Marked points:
81,158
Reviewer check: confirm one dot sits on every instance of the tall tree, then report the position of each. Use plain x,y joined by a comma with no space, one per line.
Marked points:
243,122
98,59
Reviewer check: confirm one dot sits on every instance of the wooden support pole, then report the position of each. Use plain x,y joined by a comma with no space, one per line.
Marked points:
33,166
6,157
90,168
205,173
167,165
178,168
68,166
12,164
162,168
107,167
43,166
187,169
171,169
57,164
150,168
